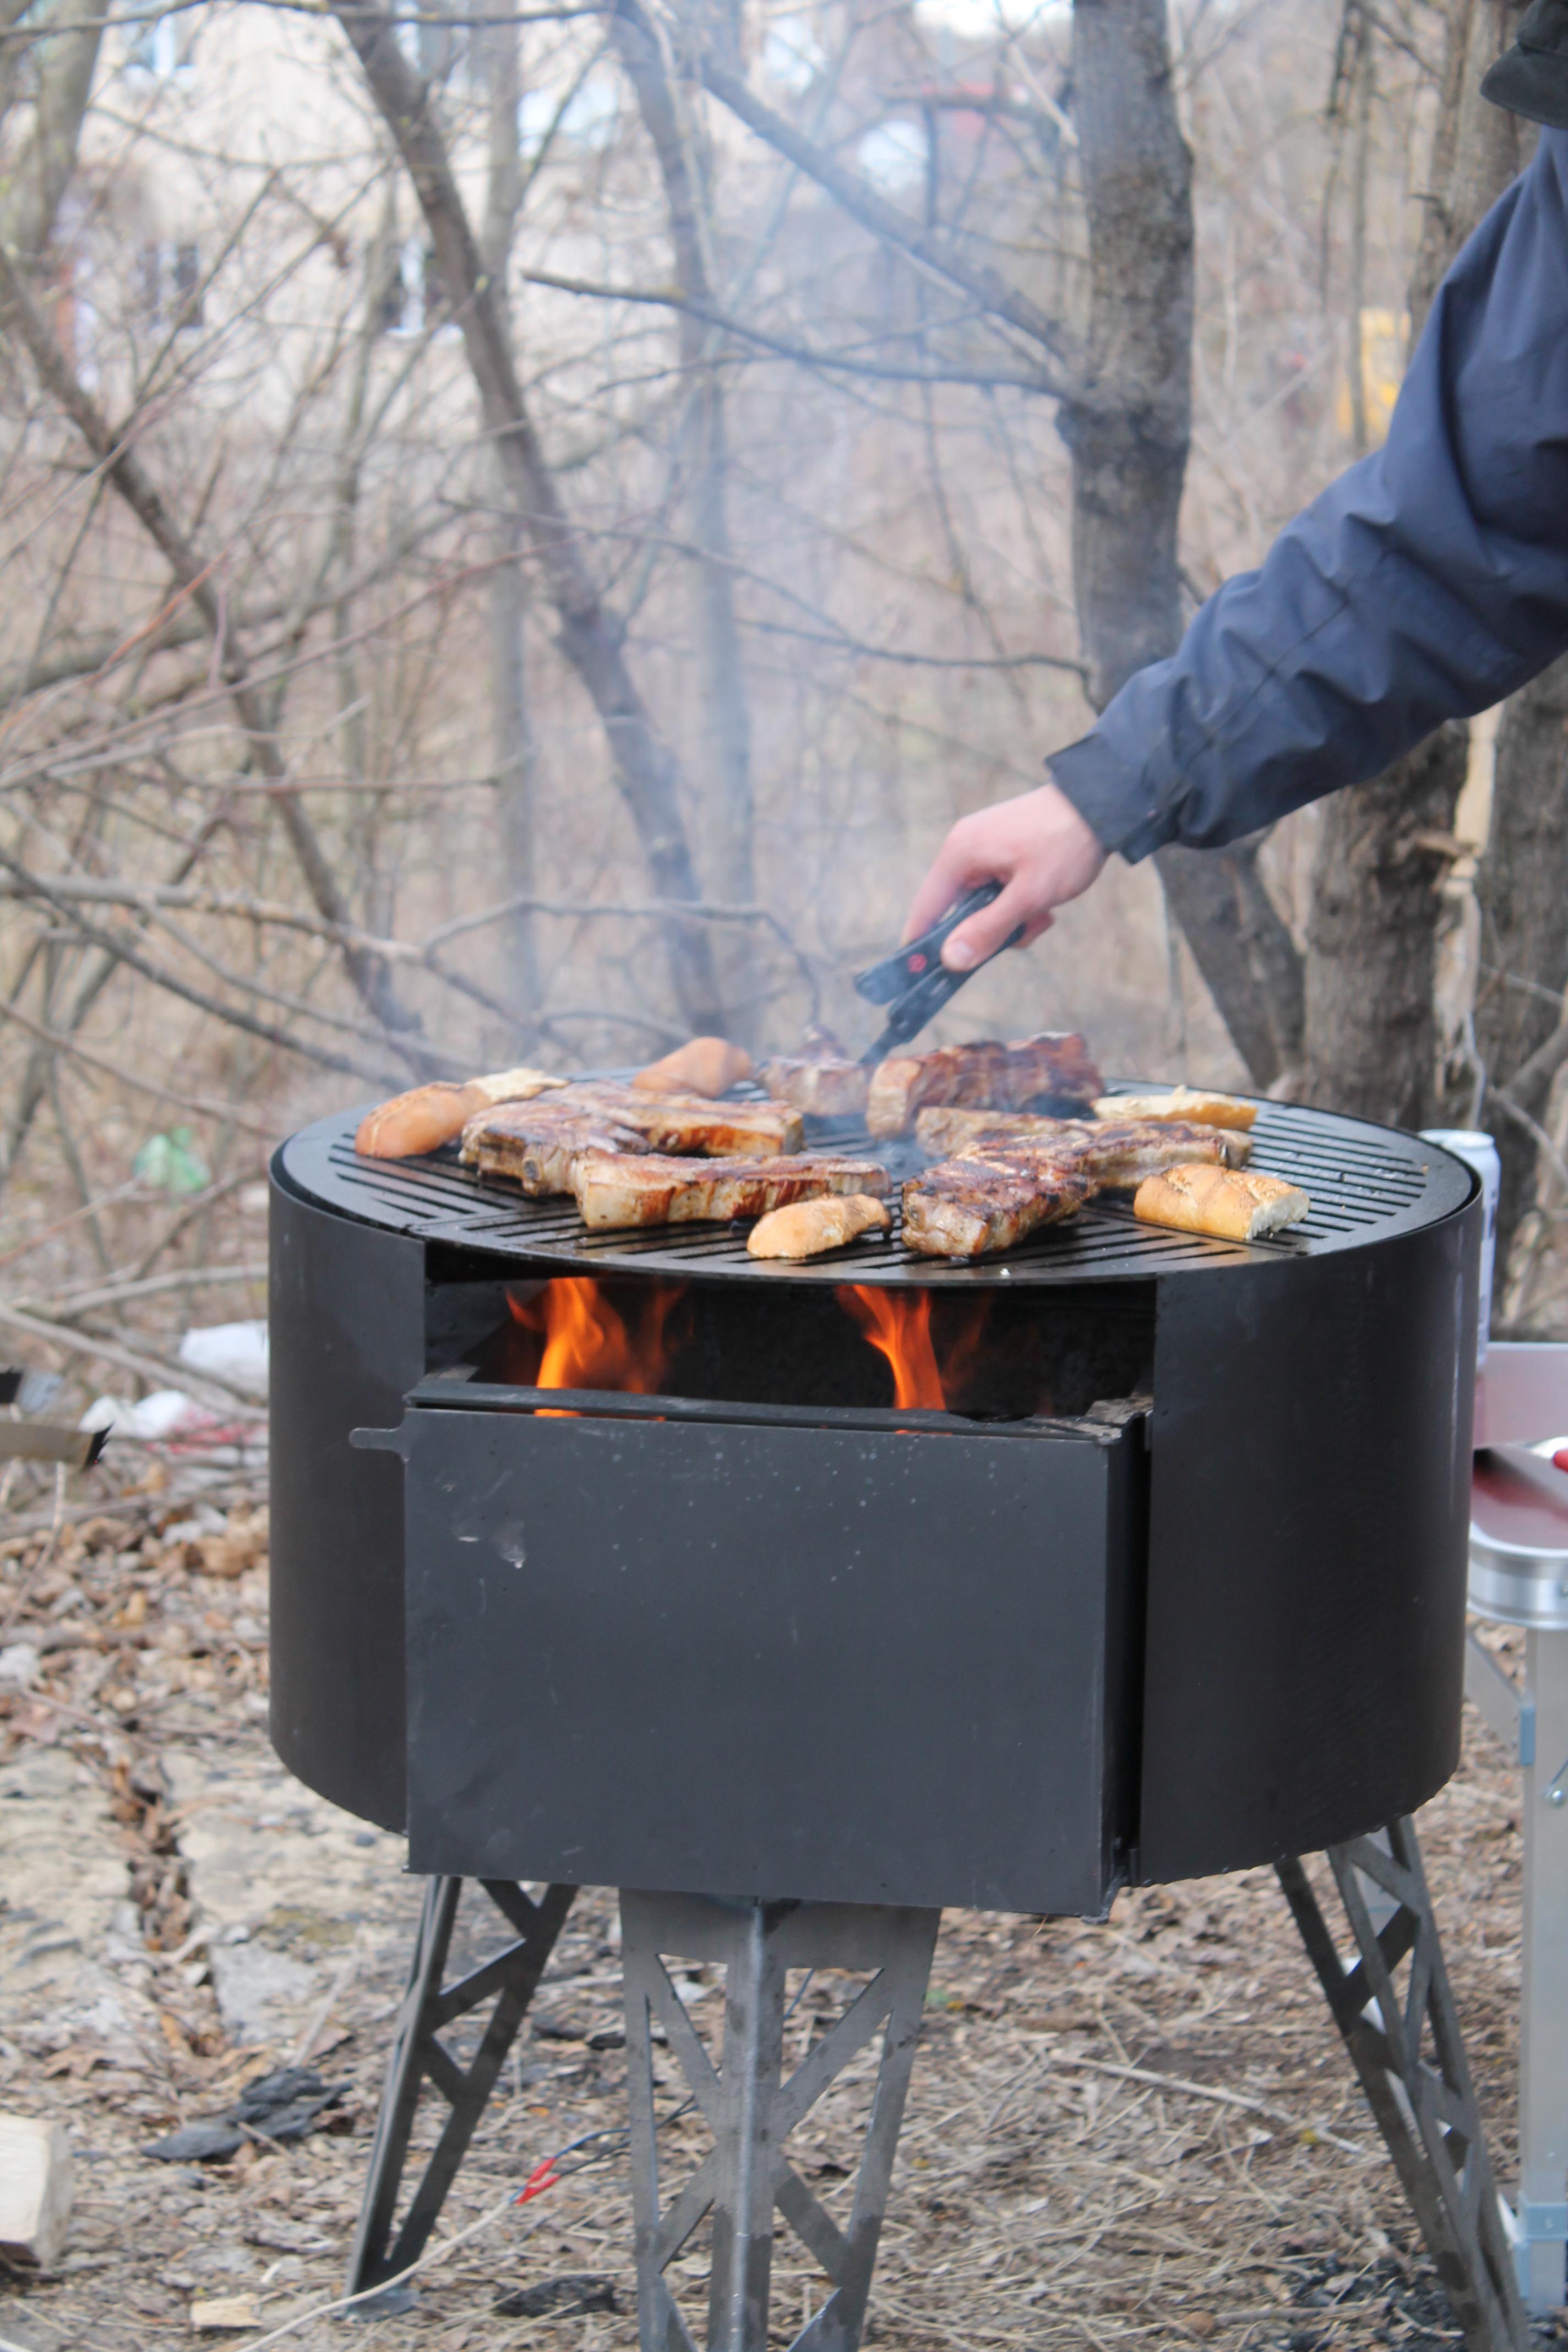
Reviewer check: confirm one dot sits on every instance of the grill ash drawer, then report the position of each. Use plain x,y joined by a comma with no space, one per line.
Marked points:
737,1655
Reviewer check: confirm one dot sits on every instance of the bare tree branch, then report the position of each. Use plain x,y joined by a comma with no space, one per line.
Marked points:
932,249
114,452
644,766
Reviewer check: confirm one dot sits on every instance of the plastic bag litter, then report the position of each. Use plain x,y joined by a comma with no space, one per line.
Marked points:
172,1162
167,1412
236,1352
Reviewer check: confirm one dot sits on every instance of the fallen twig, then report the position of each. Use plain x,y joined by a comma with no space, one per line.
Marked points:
1310,2132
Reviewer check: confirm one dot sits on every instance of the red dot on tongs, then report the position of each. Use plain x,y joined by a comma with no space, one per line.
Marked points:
917,963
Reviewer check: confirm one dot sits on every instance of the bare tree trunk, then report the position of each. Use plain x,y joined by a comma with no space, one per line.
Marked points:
513,750
65,63
1129,429
683,169
645,767
1370,1035
1372,933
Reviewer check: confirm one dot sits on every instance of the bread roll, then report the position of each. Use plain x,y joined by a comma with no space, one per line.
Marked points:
806,1228
707,1065
1232,1203
1180,1102
427,1117
516,1085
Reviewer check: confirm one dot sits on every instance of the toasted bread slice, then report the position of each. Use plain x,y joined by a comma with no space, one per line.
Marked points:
427,1117
807,1228
1191,1103
707,1065
1232,1203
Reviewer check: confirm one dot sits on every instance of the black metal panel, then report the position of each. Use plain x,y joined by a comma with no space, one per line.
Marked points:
347,1315
1309,1508
1366,1184
873,1666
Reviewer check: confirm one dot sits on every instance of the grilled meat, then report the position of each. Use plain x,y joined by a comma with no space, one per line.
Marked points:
690,1123
1123,1151
654,1189
1003,1184
989,1076
539,1150
945,1132
536,1141
824,1083
967,1208
1113,1151
808,1228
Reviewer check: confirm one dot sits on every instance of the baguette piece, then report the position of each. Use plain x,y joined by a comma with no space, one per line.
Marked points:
707,1065
1189,1103
427,1117
616,1189
1232,1205
807,1228
987,1076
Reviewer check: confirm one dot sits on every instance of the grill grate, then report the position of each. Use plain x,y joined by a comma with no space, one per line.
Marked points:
1364,1181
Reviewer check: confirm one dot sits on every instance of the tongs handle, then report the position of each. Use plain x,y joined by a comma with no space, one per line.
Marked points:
915,981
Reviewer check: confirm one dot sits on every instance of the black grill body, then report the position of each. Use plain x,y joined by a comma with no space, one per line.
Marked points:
745,1647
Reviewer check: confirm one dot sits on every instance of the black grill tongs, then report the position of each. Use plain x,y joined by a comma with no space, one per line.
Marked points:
914,983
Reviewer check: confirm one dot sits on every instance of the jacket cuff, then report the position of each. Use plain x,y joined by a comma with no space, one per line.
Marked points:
1117,802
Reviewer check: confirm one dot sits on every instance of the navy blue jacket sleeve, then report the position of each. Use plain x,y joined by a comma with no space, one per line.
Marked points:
1426,584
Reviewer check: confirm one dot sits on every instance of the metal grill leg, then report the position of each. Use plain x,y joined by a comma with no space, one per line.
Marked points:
1410,2056
751,2110
1542,2210
419,2055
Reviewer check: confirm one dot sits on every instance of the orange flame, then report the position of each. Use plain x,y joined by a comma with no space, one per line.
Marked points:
590,1344
898,1325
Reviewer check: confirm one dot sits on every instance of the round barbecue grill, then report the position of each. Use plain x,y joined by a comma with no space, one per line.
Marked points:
1366,1184
1274,1555
1173,1582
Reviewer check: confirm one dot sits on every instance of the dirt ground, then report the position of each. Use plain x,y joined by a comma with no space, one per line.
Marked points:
178,1917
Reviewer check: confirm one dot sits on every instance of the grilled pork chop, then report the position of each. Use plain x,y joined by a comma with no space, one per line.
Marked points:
1114,1151
1001,1186
1117,1152
690,1123
539,1151
967,1208
654,1189
824,1083
990,1076
537,1141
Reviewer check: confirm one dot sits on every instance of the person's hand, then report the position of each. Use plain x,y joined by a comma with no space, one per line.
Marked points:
1040,850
